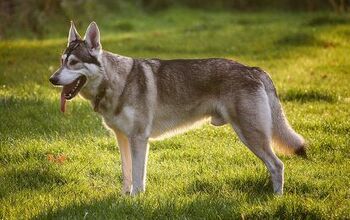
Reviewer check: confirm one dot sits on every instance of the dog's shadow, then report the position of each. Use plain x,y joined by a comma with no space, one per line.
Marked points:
205,198
252,186
32,179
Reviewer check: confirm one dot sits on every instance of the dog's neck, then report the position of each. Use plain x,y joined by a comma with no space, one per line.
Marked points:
110,81
101,92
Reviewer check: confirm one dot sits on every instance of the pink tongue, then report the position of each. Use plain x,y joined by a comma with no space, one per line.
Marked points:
63,102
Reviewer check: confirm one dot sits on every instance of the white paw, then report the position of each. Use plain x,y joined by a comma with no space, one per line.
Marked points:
137,190
126,189
278,191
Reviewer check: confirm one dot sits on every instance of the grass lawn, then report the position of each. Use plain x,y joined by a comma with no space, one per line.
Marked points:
55,165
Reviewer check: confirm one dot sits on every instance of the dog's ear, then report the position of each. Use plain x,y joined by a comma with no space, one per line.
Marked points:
92,38
73,34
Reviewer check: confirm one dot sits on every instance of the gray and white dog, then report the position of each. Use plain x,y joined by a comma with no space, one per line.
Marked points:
141,99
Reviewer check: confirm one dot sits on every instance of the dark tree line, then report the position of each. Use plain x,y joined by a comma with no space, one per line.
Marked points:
33,15
340,6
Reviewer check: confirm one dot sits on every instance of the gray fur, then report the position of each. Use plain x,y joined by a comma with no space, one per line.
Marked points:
141,99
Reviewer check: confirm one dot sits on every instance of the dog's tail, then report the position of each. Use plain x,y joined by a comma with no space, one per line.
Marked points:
285,139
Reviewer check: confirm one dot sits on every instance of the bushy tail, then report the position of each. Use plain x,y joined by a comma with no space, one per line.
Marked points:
285,139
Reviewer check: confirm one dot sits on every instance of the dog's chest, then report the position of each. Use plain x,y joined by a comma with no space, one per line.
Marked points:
124,121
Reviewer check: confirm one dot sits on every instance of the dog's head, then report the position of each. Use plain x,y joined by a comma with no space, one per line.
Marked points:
80,62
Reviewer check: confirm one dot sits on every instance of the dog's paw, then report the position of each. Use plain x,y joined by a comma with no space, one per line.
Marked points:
126,190
278,192
136,191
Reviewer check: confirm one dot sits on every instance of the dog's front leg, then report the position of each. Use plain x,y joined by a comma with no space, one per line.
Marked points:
125,153
139,151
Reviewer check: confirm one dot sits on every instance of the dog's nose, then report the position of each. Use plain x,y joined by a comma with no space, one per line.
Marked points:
53,80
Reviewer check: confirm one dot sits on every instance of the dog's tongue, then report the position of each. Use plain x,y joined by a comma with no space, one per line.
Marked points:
63,102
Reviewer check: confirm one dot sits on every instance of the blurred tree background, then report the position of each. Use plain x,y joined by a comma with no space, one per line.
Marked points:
33,18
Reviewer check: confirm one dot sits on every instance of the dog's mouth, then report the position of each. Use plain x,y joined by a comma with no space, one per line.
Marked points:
71,90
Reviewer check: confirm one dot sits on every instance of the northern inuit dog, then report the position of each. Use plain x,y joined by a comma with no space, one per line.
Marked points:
145,98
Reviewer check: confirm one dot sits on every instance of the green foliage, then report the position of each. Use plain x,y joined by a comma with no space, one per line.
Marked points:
239,4
204,173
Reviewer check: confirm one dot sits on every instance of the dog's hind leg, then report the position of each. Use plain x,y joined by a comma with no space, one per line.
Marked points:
252,122
259,144
125,153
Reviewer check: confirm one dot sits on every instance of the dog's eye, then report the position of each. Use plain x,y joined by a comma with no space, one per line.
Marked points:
73,62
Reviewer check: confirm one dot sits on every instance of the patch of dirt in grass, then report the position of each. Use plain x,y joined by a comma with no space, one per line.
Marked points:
202,27
124,26
327,20
300,39
308,96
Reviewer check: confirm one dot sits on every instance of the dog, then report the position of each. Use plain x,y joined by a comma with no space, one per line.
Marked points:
140,99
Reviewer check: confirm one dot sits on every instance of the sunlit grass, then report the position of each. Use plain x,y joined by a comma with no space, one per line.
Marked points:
204,173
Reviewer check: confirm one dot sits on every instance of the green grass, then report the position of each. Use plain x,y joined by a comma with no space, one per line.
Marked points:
204,173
